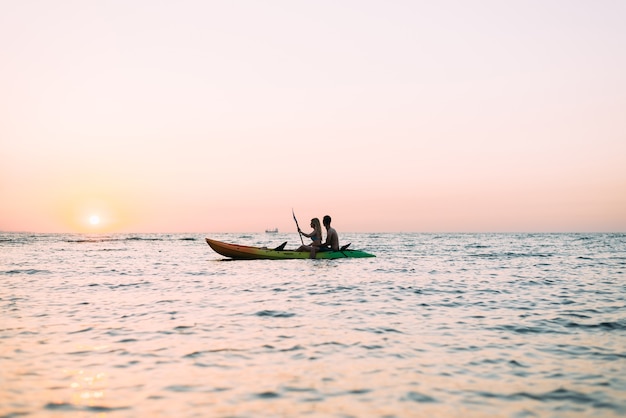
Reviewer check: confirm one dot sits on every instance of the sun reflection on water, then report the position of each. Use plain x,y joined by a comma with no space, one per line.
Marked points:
89,388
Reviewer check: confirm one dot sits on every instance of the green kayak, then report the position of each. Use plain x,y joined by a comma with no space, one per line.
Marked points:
244,252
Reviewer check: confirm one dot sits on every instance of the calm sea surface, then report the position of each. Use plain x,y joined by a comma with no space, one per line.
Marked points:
459,325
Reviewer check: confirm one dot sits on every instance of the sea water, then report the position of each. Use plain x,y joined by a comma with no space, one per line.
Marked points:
461,325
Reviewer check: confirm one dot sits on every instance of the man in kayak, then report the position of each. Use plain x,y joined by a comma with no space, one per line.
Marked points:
332,239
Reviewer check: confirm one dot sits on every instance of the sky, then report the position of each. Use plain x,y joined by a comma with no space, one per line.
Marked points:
390,116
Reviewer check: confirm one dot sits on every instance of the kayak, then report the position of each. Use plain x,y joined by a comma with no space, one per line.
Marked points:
244,252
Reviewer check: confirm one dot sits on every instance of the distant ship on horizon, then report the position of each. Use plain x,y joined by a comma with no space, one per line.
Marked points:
271,231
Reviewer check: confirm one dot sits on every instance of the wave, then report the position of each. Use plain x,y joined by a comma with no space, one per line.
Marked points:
97,240
68,407
509,255
558,395
112,239
122,239
26,271
603,326
275,314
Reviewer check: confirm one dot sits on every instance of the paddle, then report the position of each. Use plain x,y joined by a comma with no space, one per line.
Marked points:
297,226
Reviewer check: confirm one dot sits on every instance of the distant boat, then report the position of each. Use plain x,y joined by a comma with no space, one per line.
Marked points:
272,231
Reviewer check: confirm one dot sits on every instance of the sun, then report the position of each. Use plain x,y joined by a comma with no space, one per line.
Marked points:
94,220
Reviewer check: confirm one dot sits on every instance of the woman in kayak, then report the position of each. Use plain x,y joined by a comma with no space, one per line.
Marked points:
316,238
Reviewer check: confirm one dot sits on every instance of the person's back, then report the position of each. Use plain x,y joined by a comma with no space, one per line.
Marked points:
332,239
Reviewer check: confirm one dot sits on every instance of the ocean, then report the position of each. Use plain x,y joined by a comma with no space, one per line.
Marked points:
446,325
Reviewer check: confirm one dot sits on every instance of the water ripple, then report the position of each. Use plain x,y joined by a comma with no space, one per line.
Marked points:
436,325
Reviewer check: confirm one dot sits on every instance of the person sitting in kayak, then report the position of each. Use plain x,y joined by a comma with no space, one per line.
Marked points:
316,238
332,239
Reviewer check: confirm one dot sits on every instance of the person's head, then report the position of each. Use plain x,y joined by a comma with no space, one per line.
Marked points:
315,223
327,220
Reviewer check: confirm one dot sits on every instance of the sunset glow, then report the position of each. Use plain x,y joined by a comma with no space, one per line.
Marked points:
220,117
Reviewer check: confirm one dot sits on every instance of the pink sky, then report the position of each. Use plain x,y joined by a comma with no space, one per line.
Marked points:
198,116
